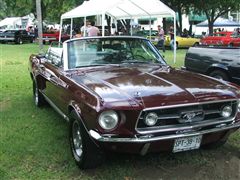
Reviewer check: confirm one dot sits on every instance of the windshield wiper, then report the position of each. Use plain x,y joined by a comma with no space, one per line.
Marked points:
136,61
91,65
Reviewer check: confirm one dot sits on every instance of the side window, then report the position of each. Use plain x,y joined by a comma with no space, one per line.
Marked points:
54,58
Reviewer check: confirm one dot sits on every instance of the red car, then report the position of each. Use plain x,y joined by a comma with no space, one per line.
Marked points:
222,38
49,37
118,94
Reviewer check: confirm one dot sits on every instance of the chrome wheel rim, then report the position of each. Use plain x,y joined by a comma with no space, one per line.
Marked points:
77,140
36,96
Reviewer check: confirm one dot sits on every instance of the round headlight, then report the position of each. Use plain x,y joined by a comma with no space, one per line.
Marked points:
151,119
238,106
108,120
226,111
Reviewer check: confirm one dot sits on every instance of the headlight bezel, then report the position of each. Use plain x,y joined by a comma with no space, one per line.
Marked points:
151,114
104,116
226,109
238,106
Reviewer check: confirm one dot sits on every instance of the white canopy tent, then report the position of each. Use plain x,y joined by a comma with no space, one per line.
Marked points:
121,9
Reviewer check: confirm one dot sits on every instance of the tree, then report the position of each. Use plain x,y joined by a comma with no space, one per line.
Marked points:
51,9
181,7
214,9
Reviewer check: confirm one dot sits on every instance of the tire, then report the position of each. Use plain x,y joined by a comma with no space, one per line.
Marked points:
219,74
19,41
37,96
85,152
196,44
215,145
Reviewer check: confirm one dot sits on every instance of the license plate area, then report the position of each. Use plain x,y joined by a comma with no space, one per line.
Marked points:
187,143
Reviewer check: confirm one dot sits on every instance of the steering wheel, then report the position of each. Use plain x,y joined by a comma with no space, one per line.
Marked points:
138,56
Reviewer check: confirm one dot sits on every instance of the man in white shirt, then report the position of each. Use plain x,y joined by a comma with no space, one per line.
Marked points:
85,28
92,30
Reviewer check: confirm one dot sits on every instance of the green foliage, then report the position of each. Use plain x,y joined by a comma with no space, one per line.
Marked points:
214,9
51,9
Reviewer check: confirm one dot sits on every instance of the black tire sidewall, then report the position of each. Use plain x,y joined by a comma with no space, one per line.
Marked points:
92,156
218,73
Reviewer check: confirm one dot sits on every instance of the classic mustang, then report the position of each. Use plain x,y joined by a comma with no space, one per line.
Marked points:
224,38
118,94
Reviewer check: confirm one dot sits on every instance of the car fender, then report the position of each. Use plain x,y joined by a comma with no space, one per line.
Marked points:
217,66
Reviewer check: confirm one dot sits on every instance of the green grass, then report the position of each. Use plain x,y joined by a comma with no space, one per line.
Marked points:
34,142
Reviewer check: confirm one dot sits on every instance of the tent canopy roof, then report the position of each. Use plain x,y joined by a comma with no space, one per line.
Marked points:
121,9
220,22
10,21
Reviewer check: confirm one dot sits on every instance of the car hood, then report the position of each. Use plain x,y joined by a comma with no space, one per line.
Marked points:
152,85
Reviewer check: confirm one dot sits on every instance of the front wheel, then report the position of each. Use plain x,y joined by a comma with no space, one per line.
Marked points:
85,152
219,74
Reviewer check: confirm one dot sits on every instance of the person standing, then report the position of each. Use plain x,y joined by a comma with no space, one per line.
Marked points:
171,34
92,30
84,28
161,38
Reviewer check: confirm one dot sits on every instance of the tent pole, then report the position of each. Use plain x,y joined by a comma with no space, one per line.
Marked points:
71,28
150,28
174,40
60,31
131,27
84,26
103,27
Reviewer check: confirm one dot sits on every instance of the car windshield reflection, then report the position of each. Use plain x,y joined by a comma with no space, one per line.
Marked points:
105,51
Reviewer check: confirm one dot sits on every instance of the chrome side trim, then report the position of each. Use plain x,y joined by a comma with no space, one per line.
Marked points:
145,139
55,107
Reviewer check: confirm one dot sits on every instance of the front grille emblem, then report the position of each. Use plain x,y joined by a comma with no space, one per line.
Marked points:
188,117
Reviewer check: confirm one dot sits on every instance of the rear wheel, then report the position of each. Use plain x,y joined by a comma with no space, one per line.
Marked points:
85,152
219,74
196,44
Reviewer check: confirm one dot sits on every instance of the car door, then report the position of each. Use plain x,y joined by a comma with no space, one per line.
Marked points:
55,86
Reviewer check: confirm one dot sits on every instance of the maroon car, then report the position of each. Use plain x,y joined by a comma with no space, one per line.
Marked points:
118,94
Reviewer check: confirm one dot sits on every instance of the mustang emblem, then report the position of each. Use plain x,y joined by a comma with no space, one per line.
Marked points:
191,117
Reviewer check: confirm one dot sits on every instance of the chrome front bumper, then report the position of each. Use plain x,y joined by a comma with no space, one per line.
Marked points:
152,138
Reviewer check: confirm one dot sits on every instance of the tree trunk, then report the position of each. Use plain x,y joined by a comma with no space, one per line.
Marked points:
210,26
164,25
39,18
180,21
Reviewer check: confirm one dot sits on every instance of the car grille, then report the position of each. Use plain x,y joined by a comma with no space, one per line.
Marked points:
183,118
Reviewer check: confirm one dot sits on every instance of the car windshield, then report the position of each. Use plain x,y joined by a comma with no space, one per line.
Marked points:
103,51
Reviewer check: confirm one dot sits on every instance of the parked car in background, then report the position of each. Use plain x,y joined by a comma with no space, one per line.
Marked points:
183,42
16,36
51,36
117,93
219,62
223,38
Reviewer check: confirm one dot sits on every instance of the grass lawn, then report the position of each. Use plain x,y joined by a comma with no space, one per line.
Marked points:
34,142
